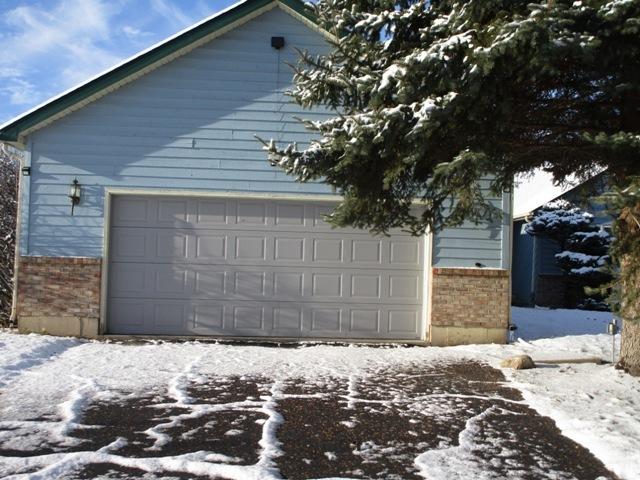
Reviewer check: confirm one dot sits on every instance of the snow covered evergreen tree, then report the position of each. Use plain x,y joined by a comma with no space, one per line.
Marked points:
558,220
587,262
584,257
433,97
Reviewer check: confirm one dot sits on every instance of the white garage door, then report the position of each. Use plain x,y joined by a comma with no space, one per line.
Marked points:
235,267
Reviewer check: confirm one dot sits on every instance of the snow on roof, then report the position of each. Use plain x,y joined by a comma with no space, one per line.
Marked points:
534,191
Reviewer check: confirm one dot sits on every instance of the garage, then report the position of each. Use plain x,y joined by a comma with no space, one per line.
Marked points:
257,267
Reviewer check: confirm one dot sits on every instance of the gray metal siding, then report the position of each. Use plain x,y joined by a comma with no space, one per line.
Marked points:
189,125
220,266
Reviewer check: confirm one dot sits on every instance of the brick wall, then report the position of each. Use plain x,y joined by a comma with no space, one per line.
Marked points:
60,296
470,299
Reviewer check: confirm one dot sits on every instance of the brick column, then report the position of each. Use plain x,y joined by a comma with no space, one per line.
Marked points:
469,305
59,295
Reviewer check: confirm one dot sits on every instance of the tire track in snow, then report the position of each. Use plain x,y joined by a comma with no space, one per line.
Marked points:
177,390
71,409
269,441
35,357
454,462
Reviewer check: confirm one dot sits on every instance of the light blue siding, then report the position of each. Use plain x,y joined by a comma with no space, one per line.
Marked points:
190,125
468,245
472,245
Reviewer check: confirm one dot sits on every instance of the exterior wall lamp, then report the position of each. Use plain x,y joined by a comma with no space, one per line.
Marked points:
74,193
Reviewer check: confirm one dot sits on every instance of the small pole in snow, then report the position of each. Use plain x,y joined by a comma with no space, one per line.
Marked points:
512,332
612,329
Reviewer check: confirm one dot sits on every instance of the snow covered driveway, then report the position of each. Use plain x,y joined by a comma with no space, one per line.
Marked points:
79,409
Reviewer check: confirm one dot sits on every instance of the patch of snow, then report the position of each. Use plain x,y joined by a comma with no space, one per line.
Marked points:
269,441
456,462
331,456
348,423
539,323
595,405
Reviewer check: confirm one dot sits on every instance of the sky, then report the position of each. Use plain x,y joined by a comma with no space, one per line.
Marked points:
49,46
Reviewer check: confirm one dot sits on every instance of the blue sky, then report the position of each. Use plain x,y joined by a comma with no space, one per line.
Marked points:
49,46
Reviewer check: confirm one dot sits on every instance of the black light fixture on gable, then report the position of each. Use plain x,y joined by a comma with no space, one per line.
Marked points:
74,193
277,42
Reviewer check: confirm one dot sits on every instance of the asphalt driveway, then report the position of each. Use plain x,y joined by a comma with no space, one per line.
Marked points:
433,420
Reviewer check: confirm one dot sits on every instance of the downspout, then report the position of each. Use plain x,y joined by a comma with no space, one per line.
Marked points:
23,161
16,248
534,271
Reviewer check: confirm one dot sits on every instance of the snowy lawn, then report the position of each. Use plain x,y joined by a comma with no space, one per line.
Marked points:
268,412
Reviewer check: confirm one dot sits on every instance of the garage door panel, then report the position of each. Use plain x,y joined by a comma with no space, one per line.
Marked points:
208,318
184,281
209,283
287,320
127,279
220,213
211,248
289,249
403,322
290,214
211,213
250,248
288,285
326,250
237,318
131,211
404,252
200,266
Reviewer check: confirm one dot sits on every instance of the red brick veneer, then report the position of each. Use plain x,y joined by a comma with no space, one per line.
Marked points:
59,295
470,297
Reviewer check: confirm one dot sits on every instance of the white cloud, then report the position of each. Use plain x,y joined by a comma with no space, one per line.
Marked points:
38,40
50,46
133,32
20,92
9,72
172,13
69,24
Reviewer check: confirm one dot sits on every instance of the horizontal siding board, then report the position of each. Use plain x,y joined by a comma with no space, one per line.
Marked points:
202,119
227,148
178,127
59,217
468,234
488,244
59,189
124,158
175,91
48,232
196,110
468,253
141,142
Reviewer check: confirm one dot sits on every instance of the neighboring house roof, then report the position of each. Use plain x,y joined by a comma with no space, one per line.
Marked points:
540,190
15,130
533,192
